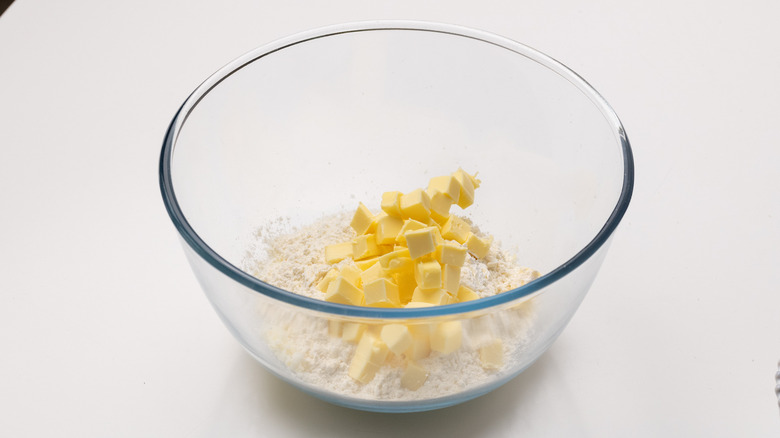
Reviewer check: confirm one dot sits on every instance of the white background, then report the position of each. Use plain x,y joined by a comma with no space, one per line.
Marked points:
104,331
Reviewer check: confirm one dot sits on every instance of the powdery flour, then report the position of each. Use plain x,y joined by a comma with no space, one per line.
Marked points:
294,261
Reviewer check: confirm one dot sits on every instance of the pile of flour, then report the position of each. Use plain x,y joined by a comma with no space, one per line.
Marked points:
294,261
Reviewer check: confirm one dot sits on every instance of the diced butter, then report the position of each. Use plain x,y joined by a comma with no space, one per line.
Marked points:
466,182
421,337
414,376
456,229
381,293
428,274
340,290
420,242
364,247
478,247
351,273
449,254
385,249
430,296
446,185
396,337
416,205
466,294
406,283
338,252
352,331
334,328
362,219
417,305
391,203
386,259
446,337
387,230
375,272
322,286
440,206
409,225
369,356
492,355
374,221
451,279
366,263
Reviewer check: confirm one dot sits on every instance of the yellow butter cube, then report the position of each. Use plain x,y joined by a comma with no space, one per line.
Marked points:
420,242
385,249
341,291
456,229
375,272
409,225
492,355
416,205
369,356
362,219
440,206
364,247
437,297
381,292
446,337
446,185
396,337
451,279
386,259
352,331
466,182
387,230
421,337
428,274
449,299
466,294
366,263
478,247
414,376
322,286
417,305
352,274
406,283
449,254
338,252
334,328
391,203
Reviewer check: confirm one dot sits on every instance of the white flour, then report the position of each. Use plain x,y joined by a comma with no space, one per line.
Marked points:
294,261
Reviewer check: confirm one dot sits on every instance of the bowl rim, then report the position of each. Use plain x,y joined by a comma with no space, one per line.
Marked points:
214,259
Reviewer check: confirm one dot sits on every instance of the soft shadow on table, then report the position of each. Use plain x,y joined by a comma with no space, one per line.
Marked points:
262,396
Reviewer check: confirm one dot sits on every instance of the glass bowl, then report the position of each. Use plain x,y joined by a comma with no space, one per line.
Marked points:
311,124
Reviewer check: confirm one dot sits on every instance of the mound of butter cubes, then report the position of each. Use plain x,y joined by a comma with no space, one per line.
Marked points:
408,255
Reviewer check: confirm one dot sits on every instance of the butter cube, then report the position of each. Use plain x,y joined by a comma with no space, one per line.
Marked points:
387,230
416,205
375,272
406,283
466,294
492,355
446,185
396,337
386,260
420,242
449,299
352,274
341,291
417,305
428,274
364,247
440,206
456,229
451,280
322,286
478,247
414,376
338,252
446,337
352,331
409,225
437,297
369,356
421,338
366,263
334,328
391,204
466,182
381,293
362,219
449,254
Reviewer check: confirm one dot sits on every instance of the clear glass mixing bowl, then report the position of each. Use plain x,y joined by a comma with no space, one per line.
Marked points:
312,124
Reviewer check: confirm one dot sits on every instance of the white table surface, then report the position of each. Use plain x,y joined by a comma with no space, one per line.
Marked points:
104,331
